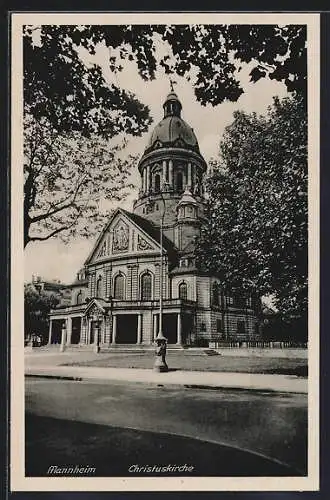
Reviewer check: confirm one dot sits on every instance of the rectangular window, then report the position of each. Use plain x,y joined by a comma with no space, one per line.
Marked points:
219,325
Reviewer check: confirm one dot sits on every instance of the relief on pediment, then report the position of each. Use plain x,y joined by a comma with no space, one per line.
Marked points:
120,242
103,250
95,313
143,244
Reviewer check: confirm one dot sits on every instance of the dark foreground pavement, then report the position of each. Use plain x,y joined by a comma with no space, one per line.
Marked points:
111,451
111,426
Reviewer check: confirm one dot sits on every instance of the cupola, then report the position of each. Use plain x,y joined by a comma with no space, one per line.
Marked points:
187,208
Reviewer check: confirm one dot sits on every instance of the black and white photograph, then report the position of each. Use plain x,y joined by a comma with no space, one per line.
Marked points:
164,251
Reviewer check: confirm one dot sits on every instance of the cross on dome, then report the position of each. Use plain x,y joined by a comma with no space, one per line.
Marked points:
172,83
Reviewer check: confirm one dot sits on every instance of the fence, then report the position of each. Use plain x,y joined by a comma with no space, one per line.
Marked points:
257,344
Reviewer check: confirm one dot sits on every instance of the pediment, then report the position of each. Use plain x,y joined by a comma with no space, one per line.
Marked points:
94,309
122,236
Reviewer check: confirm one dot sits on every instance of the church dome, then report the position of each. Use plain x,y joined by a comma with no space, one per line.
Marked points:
172,130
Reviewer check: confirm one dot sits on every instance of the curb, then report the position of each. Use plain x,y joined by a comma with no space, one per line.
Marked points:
54,377
162,383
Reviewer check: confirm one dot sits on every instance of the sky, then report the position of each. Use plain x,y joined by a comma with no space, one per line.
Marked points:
54,260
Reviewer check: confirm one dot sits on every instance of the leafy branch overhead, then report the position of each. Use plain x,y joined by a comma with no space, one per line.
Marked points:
72,109
58,85
68,178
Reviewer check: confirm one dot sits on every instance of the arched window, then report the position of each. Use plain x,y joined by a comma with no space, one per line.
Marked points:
119,287
157,183
240,326
99,287
146,286
79,297
179,181
183,292
215,294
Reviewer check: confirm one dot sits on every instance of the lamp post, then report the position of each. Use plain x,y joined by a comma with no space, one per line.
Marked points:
160,361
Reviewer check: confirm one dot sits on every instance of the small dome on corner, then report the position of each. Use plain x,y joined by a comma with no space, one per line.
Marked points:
187,198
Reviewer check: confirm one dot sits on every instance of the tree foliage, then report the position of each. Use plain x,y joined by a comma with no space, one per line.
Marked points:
256,234
37,306
67,180
71,110
72,95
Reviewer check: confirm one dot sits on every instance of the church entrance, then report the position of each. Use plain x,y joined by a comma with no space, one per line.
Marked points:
126,329
76,327
170,327
187,328
56,331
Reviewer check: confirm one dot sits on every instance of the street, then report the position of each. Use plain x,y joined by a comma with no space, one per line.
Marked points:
193,425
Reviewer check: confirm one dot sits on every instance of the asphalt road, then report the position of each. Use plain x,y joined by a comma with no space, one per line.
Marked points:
271,424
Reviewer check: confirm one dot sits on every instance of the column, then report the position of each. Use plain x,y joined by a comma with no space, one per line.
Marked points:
179,327
96,343
107,331
144,180
83,331
189,176
89,328
68,330
108,282
50,332
164,173
114,328
154,329
129,291
63,338
139,329
148,178
170,164
134,282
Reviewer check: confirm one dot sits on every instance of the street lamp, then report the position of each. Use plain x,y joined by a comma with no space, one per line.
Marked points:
161,341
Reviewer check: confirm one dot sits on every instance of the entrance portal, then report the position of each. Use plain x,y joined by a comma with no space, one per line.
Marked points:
56,331
187,328
126,329
170,327
76,327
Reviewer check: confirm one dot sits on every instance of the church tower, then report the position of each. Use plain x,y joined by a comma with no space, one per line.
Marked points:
171,170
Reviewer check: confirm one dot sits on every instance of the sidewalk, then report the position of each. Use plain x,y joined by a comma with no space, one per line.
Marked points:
263,382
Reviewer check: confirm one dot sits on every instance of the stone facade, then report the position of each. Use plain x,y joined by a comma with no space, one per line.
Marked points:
117,297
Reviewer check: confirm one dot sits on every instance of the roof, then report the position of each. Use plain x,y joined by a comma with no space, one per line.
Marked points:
152,230
171,129
79,282
145,225
187,198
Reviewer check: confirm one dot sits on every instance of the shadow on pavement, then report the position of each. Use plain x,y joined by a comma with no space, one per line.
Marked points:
114,451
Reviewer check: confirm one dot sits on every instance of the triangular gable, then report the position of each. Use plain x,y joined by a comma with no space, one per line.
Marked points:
94,304
122,235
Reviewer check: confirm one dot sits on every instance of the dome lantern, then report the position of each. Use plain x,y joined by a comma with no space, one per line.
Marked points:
172,106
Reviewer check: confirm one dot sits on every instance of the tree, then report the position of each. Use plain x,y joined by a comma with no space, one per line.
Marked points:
67,180
70,110
37,306
71,94
74,95
256,234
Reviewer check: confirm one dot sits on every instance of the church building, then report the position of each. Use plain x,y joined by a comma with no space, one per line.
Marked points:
142,267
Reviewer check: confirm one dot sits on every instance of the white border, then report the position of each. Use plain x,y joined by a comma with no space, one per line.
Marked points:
18,481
